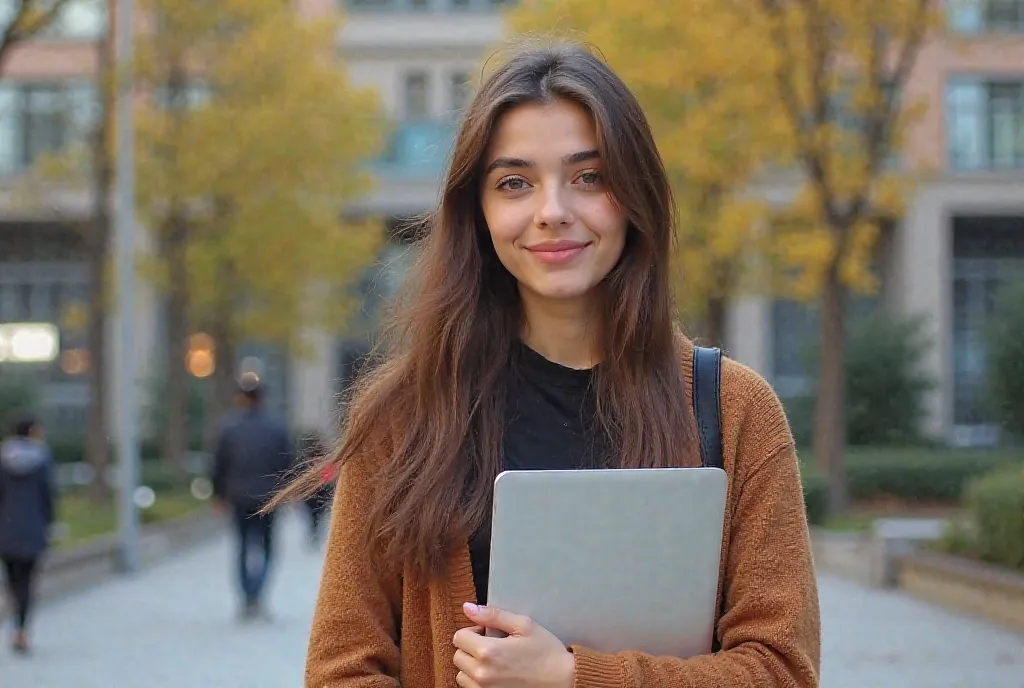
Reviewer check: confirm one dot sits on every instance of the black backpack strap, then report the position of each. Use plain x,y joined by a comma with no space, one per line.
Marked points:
707,384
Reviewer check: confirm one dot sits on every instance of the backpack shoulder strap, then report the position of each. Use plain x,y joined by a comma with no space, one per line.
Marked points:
707,383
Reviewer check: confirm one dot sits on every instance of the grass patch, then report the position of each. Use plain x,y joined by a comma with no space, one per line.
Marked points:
850,523
85,520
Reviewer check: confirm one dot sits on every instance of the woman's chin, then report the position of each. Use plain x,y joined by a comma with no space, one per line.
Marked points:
560,291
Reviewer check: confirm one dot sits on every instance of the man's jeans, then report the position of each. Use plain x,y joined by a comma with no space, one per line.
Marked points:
255,538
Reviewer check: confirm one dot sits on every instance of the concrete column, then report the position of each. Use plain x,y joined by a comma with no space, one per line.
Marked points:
312,401
749,333
922,275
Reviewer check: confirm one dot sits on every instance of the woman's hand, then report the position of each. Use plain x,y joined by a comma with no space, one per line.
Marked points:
530,657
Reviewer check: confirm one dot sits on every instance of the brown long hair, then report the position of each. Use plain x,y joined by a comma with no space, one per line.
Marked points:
430,413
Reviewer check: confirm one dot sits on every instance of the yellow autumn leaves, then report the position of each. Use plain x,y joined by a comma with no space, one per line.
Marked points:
743,94
255,137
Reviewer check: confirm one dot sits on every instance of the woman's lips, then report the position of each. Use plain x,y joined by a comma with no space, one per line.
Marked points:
555,252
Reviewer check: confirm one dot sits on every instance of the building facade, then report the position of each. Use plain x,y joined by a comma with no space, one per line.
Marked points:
424,57
962,237
48,102
963,234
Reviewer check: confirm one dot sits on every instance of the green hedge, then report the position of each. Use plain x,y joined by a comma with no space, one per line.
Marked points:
71,448
886,387
815,498
926,476
995,505
913,475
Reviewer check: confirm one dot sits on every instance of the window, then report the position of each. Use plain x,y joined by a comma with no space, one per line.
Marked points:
985,124
36,118
977,16
459,92
43,279
416,95
988,253
1004,15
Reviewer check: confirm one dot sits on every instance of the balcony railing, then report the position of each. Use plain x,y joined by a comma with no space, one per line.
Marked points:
417,149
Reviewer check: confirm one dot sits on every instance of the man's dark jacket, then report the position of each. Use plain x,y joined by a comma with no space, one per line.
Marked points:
253,456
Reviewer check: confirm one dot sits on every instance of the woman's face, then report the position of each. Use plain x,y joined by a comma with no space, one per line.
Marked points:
552,220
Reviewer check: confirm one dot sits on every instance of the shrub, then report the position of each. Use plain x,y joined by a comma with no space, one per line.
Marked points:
995,504
17,396
886,389
195,414
67,448
919,475
1005,339
815,498
800,412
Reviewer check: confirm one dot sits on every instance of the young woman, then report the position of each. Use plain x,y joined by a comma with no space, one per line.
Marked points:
26,513
538,333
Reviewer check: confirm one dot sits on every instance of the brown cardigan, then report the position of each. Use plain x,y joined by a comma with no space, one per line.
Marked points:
770,628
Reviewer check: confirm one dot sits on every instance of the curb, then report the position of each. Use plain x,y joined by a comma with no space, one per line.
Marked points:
992,593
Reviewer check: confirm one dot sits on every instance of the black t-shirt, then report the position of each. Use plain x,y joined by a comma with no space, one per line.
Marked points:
550,424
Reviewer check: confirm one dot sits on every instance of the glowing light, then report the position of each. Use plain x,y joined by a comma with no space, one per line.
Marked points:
144,497
201,489
201,341
251,364
200,363
74,361
29,342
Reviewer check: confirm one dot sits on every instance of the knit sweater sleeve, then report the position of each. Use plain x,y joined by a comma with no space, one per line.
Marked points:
353,641
770,628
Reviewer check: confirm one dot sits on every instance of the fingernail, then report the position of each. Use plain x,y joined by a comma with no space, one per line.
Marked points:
471,608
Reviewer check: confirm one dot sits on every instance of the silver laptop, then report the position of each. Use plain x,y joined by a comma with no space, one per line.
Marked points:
616,559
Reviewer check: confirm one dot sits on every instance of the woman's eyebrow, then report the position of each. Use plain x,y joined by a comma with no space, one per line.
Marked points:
521,163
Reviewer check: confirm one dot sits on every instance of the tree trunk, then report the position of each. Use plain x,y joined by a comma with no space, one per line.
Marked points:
714,322
176,431
176,238
97,443
224,388
830,420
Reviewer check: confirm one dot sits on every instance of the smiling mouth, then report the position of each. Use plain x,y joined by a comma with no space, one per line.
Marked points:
554,252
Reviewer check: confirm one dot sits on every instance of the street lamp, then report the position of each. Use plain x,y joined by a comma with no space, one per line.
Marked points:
124,257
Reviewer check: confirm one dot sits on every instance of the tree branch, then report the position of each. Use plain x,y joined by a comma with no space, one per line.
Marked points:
877,133
24,26
817,39
878,137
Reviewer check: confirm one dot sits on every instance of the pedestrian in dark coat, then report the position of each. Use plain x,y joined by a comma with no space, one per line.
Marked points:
26,514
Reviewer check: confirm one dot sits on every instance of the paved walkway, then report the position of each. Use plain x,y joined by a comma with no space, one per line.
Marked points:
173,627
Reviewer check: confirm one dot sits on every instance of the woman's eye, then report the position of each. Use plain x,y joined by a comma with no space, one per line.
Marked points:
590,178
512,184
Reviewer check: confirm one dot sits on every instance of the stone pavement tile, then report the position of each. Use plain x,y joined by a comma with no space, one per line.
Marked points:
173,626
883,639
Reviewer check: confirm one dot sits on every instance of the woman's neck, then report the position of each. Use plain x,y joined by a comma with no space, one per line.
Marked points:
562,331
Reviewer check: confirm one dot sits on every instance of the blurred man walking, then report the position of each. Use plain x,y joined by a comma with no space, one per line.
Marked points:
252,456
